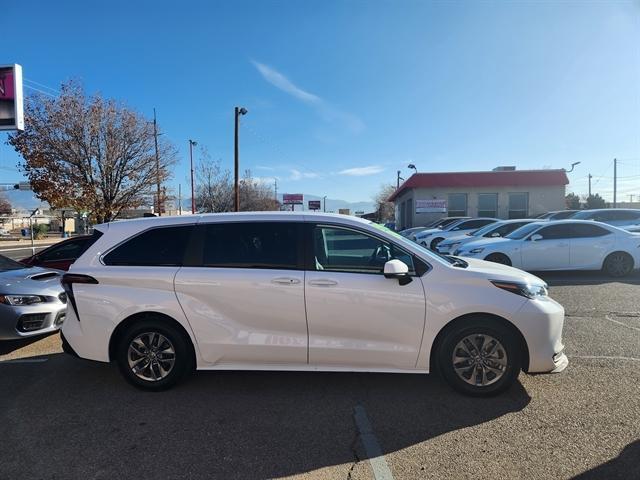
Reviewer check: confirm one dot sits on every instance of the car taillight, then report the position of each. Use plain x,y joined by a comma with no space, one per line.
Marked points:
68,279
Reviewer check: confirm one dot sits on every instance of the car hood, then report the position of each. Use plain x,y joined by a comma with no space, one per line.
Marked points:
36,280
497,271
456,239
485,242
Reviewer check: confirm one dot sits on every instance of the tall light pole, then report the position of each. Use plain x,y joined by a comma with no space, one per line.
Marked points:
193,190
324,203
155,138
236,166
398,180
573,165
615,183
413,167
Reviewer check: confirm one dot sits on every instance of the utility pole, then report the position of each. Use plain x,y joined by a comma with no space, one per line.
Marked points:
590,176
324,203
236,165
275,189
615,182
398,180
180,198
193,194
155,138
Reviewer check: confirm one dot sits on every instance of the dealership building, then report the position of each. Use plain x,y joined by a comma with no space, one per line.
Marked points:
503,192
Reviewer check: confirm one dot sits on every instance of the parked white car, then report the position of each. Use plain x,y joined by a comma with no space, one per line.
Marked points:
431,238
311,292
619,217
493,230
562,245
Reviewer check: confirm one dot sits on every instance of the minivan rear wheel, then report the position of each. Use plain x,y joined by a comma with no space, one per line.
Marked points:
480,357
152,355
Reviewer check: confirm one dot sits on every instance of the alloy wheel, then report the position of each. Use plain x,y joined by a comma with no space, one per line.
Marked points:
151,356
479,360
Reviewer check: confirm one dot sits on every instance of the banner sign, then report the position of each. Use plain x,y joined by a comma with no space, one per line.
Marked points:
11,99
314,204
431,206
292,199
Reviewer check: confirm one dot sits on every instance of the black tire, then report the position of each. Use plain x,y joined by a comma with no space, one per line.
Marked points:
435,242
618,264
509,352
500,258
183,363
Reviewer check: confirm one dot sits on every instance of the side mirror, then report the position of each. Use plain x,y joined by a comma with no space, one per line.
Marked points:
397,269
535,237
495,234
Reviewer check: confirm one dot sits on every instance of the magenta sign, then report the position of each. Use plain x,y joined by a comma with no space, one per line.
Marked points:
293,199
11,108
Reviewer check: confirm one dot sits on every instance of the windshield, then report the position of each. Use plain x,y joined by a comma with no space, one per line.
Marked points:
486,229
406,241
8,264
523,231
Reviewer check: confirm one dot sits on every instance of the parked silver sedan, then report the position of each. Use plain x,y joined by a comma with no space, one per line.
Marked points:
32,300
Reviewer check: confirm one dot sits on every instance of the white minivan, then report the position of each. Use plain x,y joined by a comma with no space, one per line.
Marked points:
302,291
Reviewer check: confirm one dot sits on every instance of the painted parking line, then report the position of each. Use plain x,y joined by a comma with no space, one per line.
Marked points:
24,360
622,324
371,446
604,357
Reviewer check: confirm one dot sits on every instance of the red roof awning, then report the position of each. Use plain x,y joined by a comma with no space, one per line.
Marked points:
510,178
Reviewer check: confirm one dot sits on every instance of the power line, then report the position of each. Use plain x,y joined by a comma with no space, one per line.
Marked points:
40,91
42,85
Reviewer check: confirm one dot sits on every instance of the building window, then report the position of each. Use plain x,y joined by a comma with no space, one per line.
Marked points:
457,205
487,204
518,205
409,221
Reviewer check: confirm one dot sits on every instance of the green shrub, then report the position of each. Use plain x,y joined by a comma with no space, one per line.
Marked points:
40,231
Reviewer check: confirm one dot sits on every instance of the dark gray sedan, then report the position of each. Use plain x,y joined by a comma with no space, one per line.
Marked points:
32,301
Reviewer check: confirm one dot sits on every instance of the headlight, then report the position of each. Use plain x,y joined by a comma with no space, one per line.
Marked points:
524,289
476,250
21,299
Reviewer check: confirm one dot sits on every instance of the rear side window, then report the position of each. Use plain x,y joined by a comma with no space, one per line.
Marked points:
473,224
588,231
556,231
161,246
252,245
71,249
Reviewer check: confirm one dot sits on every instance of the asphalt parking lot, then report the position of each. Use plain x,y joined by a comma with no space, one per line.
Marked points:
67,418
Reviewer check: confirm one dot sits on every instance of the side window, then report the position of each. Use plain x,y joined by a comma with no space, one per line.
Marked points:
473,224
589,231
503,230
68,250
554,232
344,250
251,245
161,246
604,216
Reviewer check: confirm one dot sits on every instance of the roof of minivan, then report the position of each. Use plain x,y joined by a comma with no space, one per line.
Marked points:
137,223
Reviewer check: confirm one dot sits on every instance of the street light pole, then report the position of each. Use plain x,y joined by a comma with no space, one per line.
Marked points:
236,165
193,195
324,203
155,138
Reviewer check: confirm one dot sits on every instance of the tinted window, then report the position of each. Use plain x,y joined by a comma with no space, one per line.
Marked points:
71,249
563,215
556,231
162,246
472,224
487,204
344,250
586,230
625,215
457,204
251,245
518,205
523,231
504,230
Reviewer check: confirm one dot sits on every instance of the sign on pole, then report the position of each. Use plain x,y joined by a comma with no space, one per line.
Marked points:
314,204
431,206
292,199
11,98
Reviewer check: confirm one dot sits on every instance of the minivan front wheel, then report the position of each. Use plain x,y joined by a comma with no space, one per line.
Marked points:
480,357
153,356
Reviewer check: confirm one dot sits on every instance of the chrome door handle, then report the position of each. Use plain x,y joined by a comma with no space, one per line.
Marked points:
323,282
285,280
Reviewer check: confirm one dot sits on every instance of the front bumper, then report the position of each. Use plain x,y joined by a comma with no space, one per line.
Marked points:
18,322
541,321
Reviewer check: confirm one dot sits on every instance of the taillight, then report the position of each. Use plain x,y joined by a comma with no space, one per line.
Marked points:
68,279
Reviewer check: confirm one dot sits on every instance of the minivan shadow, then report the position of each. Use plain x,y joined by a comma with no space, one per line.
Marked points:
624,466
219,424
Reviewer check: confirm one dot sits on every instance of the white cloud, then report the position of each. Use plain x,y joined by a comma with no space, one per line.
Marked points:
327,111
298,175
362,171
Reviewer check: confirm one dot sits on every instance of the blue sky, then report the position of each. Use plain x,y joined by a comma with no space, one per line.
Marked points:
341,94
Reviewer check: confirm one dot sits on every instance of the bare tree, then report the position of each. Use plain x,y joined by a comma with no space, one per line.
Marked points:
214,189
5,205
385,208
90,153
